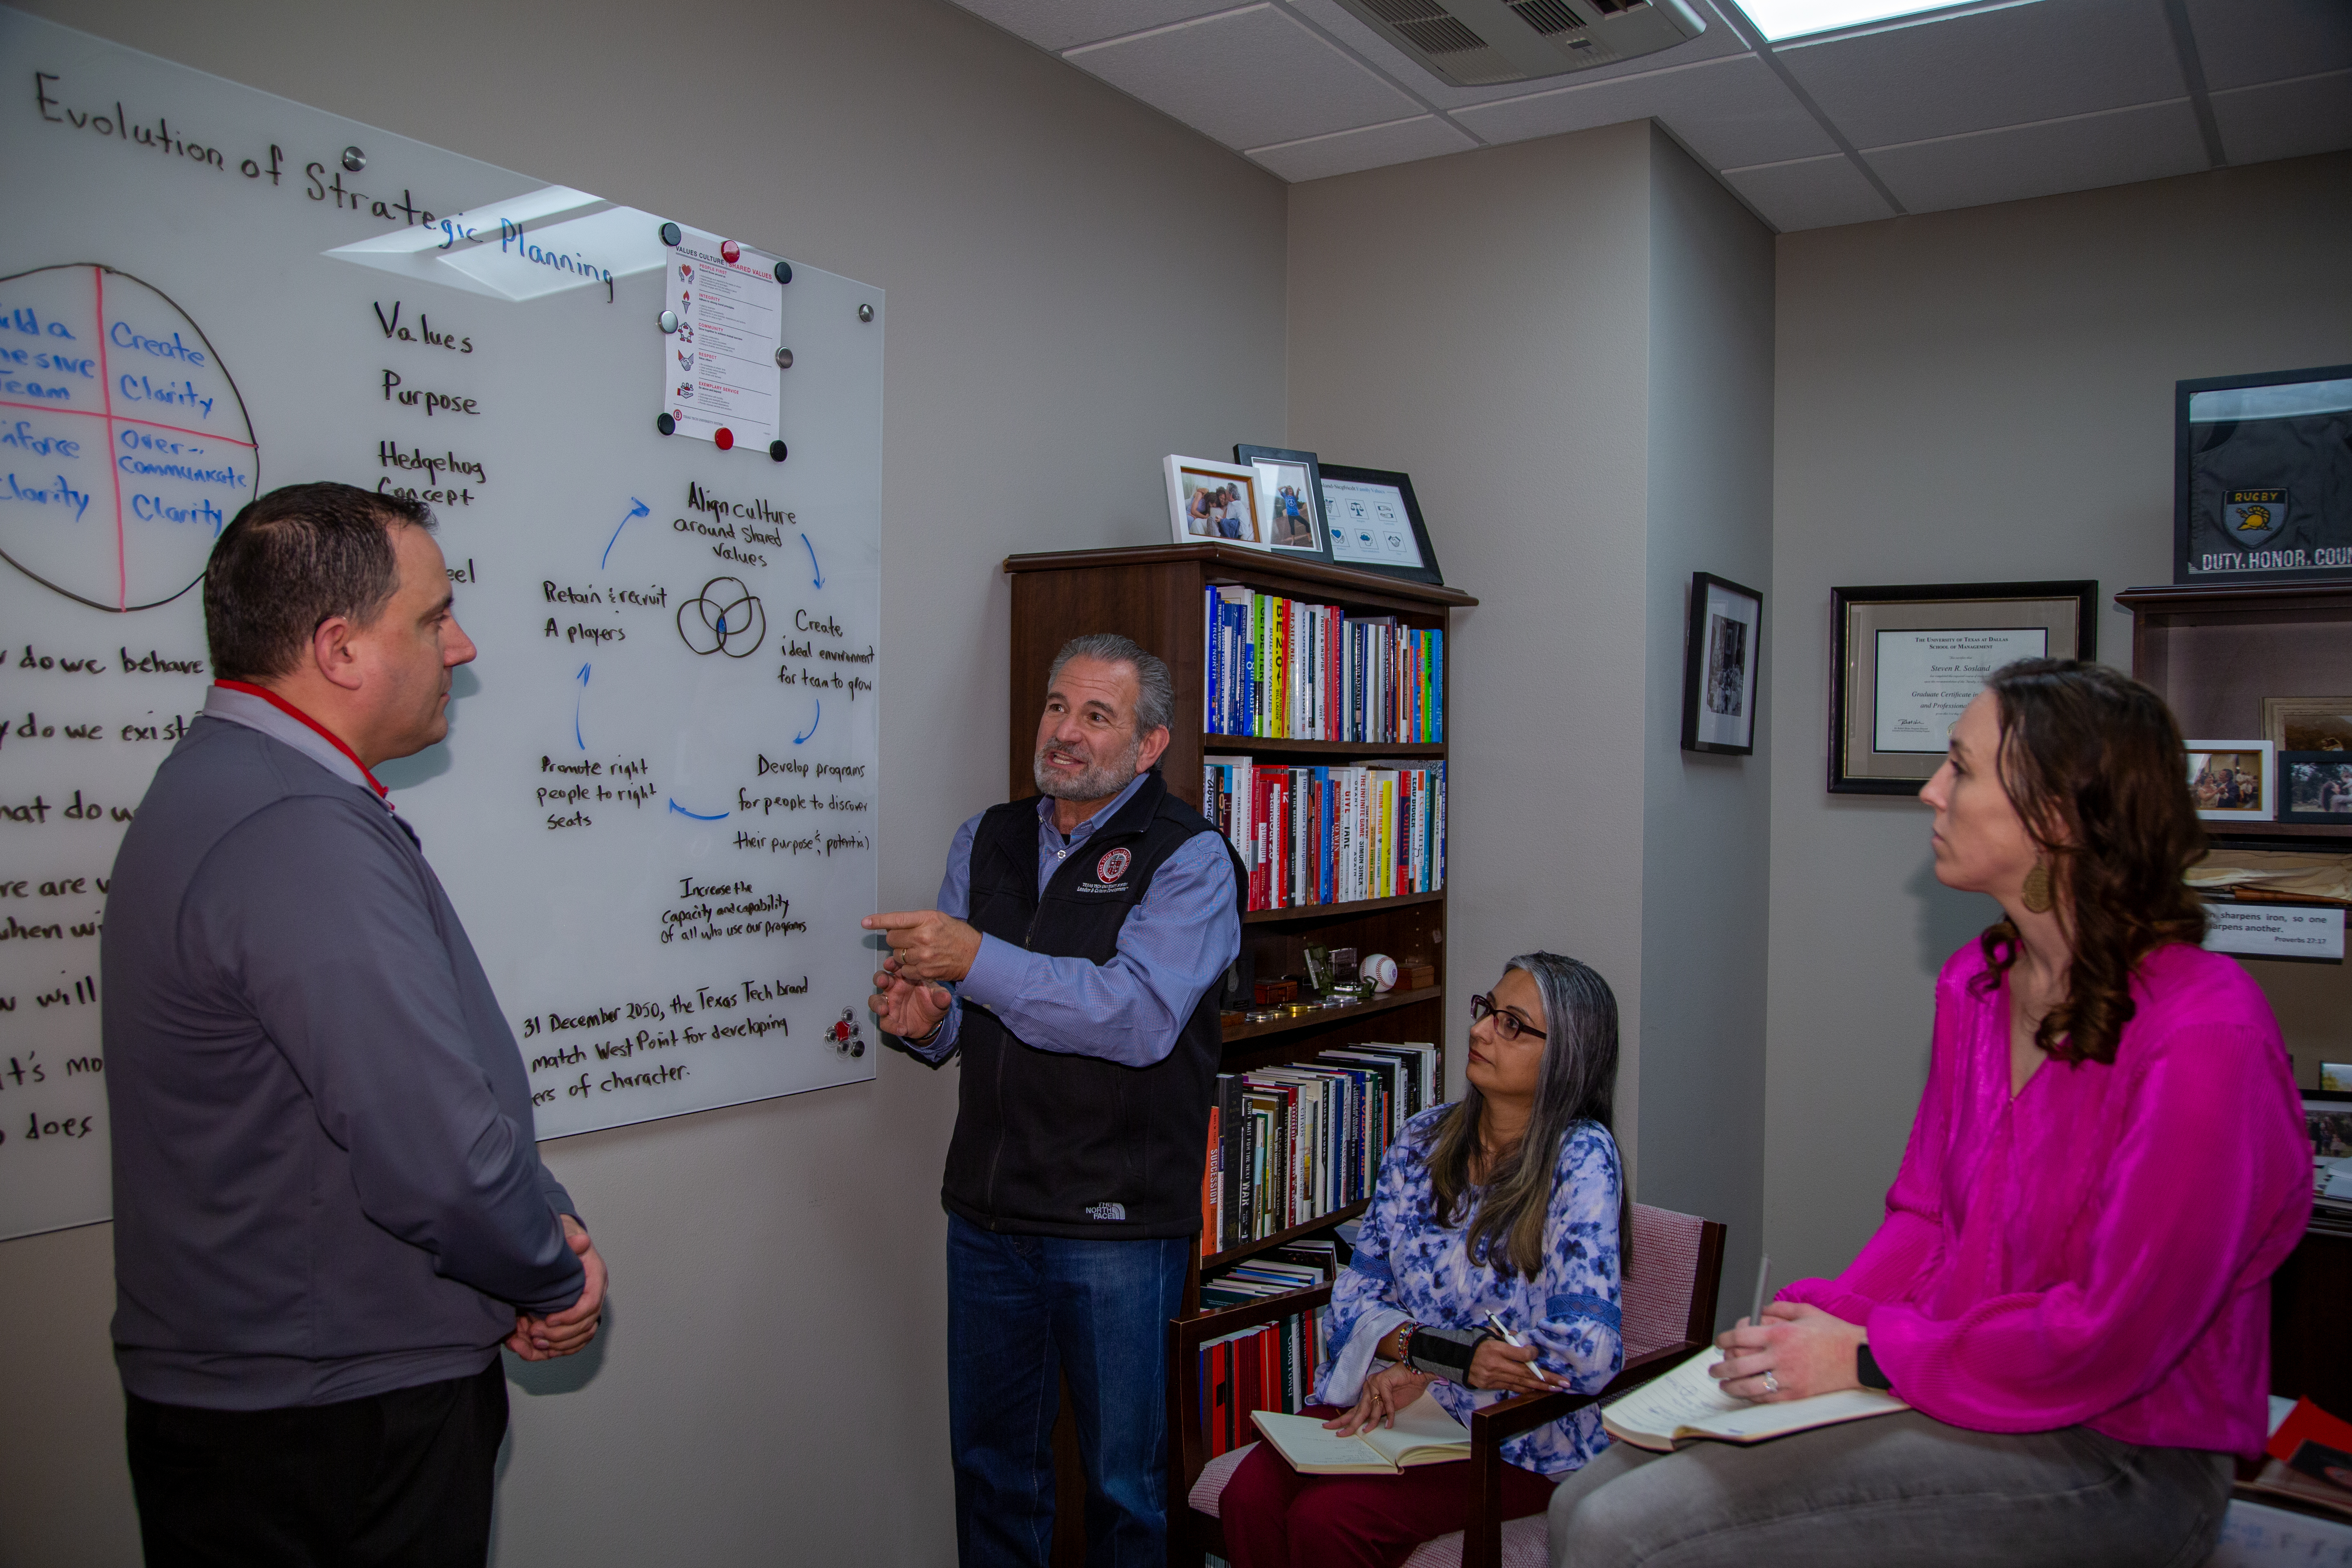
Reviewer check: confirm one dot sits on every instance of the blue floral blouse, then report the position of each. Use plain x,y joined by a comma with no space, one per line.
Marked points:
1408,1265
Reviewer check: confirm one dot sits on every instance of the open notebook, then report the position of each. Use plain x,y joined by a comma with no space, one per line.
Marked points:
1686,1405
1423,1435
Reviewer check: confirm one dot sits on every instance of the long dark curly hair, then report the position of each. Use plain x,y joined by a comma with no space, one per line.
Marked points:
2095,765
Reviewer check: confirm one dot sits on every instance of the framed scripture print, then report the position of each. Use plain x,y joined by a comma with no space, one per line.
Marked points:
1905,660
1289,501
1724,636
1376,524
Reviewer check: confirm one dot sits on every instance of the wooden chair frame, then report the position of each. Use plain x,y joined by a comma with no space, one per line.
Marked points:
1191,1533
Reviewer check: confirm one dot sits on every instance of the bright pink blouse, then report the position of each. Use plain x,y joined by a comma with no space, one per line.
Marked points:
2096,1250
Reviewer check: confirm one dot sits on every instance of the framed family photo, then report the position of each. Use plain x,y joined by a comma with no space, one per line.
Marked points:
2233,780
1212,500
1906,660
1723,639
2316,788
1289,501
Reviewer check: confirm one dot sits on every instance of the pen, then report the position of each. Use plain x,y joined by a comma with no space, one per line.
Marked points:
1516,1343
1763,1272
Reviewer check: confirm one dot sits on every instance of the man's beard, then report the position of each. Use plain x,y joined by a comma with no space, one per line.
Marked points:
1099,782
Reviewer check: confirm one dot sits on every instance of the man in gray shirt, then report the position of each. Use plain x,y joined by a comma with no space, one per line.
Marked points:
329,1212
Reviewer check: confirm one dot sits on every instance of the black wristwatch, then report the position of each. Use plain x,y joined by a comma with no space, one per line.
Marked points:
1867,1370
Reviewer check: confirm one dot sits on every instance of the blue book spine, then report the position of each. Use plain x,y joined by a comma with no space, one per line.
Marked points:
1437,688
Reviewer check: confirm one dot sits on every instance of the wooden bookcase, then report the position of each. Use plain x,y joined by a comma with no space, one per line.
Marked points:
1155,595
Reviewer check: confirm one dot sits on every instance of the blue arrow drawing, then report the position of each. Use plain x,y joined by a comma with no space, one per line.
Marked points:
582,678
813,723
636,509
812,565
695,814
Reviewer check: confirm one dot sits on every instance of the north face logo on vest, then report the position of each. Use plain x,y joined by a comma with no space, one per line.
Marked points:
1108,872
1106,1211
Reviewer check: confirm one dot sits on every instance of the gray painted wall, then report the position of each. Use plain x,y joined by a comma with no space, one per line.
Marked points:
770,1387
1707,822
1982,395
1568,344
1482,322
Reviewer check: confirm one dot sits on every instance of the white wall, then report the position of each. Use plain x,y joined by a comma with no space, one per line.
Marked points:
1984,396
770,1385
1482,322
1568,344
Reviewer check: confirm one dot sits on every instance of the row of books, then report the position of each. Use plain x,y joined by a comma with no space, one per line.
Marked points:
1288,669
1268,1368
1288,1144
1330,835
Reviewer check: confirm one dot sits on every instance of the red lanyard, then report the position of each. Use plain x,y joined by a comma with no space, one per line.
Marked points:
333,739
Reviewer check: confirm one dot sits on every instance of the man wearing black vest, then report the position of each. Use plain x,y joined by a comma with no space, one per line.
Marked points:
1073,961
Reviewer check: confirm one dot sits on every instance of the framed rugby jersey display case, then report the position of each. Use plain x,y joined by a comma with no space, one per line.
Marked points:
2262,477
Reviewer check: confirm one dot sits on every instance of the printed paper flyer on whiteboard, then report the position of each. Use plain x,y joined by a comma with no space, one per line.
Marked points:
720,374
655,810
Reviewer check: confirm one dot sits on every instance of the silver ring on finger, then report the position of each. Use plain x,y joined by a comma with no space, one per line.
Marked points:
1771,1383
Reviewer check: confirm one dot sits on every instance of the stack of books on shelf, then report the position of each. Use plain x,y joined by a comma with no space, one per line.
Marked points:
1289,1144
1287,669
1271,1367
1331,836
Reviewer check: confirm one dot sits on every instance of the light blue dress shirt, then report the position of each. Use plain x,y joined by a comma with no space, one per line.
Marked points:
1174,946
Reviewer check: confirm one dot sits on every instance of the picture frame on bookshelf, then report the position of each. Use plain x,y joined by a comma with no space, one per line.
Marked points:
1375,523
1212,501
1290,502
2233,780
2315,788
2308,723
1905,660
1721,643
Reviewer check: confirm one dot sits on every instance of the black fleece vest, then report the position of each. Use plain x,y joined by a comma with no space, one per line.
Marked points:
1052,1144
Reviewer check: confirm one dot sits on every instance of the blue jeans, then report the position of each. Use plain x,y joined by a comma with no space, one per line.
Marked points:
1023,1312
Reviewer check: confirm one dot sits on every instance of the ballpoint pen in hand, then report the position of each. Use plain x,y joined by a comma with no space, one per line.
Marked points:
1516,1343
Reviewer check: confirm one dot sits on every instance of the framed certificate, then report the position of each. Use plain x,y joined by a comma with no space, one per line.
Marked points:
1908,659
1375,523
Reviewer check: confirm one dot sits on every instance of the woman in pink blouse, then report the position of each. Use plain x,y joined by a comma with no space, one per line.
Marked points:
2071,1285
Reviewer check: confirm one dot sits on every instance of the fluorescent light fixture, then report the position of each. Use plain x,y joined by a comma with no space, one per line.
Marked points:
1779,19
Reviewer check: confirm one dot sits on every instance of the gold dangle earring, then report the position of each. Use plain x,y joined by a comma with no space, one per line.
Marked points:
2038,894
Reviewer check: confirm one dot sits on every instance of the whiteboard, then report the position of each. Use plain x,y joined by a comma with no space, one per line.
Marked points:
654,809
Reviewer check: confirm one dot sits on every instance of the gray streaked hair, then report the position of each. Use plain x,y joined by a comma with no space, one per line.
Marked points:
1155,698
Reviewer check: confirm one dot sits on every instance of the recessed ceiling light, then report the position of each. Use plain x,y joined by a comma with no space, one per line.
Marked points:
1779,19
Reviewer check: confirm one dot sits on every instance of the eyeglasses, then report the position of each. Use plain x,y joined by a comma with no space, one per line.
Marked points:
1508,1025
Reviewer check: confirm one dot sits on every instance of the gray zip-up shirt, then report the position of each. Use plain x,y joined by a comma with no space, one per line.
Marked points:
325,1182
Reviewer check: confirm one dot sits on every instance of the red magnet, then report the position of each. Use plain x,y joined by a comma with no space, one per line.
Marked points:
722,437
731,251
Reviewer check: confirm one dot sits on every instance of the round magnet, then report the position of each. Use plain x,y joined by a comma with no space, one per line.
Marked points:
665,424
667,320
784,271
729,251
865,312
723,438
671,234
783,359
354,160
776,450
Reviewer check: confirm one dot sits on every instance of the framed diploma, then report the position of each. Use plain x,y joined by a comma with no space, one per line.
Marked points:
1906,660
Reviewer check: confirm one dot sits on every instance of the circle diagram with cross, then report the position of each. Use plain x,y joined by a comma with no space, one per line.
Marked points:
124,447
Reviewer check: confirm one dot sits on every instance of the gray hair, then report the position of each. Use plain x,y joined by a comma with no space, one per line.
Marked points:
1155,698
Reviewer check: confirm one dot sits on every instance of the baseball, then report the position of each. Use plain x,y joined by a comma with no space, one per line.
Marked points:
1381,970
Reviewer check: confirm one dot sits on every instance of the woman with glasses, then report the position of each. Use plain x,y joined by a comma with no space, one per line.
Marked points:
1501,1212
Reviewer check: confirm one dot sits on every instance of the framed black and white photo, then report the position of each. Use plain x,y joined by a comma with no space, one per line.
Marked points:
1905,660
1375,523
1289,501
1724,637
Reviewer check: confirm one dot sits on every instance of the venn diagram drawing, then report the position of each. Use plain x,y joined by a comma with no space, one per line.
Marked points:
725,617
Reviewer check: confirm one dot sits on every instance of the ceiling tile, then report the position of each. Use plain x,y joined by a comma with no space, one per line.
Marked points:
1374,147
2038,60
1732,110
2287,119
2150,141
1058,25
1247,78
1342,24
2241,42
1809,193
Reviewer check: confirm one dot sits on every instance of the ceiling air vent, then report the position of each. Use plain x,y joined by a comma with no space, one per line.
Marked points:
1481,43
